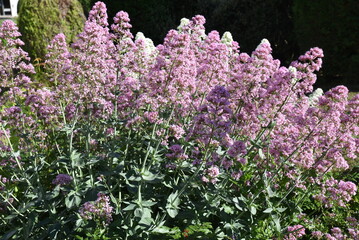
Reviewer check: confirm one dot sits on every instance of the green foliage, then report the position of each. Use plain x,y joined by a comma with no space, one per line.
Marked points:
149,200
40,20
199,231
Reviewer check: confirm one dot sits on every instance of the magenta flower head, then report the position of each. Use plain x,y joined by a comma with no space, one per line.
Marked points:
8,29
237,148
98,14
122,26
295,232
218,95
211,175
62,179
317,234
100,210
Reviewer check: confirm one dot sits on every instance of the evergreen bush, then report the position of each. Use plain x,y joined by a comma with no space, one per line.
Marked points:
40,20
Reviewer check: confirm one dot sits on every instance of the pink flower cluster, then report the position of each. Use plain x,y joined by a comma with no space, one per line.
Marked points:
336,192
100,210
176,152
337,234
212,125
62,179
226,93
3,181
295,232
211,174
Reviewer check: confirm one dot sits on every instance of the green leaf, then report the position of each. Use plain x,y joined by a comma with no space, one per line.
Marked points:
148,176
173,202
228,209
16,154
76,160
168,231
270,192
143,213
113,199
133,178
92,161
219,151
67,129
79,222
162,230
11,216
4,42
138,212
257,144
72,200
281,209
253,210
9,234
268,210
276,222
54,193
146,218
239,203
173,199
172,212
130,207
261,154
148,203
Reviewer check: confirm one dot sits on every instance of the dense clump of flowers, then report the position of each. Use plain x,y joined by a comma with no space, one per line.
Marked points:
98,14
211,175
103,72
212,125
336,192
62,179
13,57
337,233
99,210
224,117
295,232
176,152
237,148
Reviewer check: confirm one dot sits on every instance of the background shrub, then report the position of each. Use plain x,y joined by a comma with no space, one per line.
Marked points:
40,20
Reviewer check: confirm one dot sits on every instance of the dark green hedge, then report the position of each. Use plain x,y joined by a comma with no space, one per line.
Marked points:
40,20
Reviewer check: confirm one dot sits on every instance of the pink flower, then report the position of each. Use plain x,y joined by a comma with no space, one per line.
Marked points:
317,234
237,148
211,175
100,210
295,232
62,179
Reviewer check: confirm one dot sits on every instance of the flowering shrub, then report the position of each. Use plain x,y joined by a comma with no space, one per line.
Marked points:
192,138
